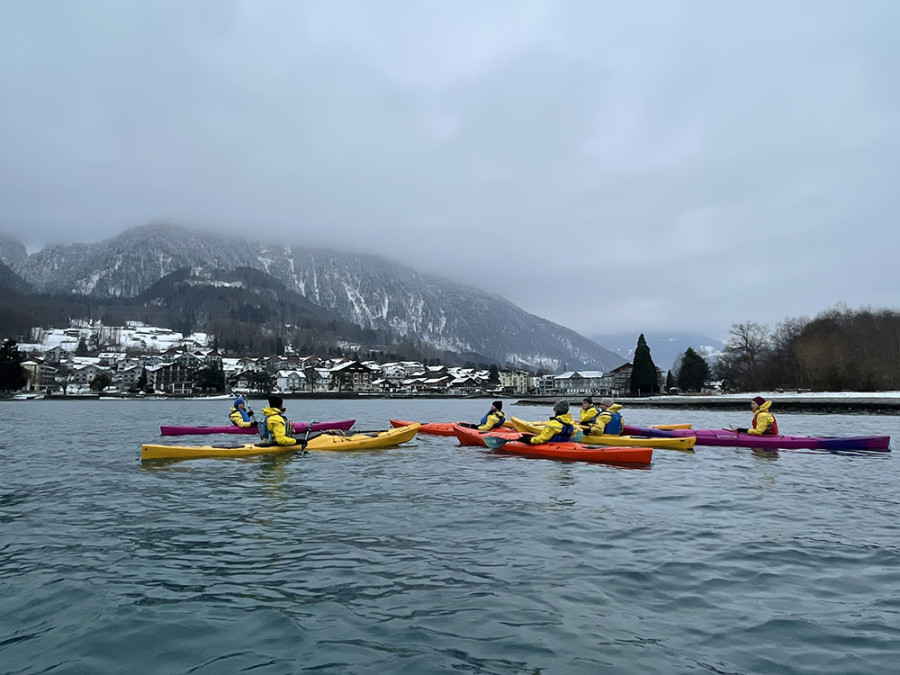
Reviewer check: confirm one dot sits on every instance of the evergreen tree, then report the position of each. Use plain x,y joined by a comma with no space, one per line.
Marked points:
694,371
100,382
12,375
643,373
494,375
211,378
142,380
670,380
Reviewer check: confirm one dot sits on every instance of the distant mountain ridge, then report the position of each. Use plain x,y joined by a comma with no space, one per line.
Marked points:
370,292
665,348
9,279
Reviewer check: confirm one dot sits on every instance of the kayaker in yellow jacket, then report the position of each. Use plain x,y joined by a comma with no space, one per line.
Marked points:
588,412
494,418
558,429
764,422
240,416
609,420
276,428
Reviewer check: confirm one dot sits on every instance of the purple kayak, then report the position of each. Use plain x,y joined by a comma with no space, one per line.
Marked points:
728,438
343,425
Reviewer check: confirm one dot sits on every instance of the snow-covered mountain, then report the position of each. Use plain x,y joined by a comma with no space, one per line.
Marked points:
12,252
664,347
366,290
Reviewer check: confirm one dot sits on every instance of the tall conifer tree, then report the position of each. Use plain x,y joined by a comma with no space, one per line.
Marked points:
12,374
694,371
643,373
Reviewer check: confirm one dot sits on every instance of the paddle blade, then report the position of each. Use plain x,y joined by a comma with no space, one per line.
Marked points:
495,442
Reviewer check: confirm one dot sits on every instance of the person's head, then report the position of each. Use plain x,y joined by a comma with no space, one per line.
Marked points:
239,402
497,405
605,402
756,402
561,407
275,401
587,402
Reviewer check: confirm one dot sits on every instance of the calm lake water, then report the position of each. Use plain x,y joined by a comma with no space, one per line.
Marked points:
432,558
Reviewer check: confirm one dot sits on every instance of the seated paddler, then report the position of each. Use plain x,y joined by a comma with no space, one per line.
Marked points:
276,429
588,412
493,418
558,429
764,422
608,421
240,416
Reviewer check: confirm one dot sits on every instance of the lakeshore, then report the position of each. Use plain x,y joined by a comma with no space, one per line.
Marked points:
815,403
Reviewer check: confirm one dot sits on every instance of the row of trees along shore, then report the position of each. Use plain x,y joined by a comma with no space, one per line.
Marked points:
839,350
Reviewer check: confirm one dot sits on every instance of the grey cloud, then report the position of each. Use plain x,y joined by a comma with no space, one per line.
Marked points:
609,167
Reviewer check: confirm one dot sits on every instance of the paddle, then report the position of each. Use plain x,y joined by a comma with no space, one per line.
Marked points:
494,442
303,443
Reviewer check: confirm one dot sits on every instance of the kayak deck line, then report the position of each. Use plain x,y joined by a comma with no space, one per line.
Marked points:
322,441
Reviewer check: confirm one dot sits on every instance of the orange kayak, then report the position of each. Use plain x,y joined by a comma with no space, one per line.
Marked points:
504,442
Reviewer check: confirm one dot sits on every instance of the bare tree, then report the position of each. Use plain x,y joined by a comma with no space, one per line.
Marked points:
739,367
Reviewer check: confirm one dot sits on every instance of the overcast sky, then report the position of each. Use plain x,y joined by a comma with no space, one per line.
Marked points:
613,167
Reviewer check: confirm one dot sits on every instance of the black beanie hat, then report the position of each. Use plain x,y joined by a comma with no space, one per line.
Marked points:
498,405
275,401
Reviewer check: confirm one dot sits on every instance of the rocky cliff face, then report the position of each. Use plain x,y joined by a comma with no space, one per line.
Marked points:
365,290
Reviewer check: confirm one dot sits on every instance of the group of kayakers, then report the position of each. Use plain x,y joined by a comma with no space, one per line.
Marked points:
276,429
605,419
593,420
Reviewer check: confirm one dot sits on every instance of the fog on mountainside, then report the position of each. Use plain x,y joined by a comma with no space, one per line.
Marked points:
367,291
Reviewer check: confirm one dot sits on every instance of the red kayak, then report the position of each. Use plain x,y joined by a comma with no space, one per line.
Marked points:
504,441
728,438
433,428
343,425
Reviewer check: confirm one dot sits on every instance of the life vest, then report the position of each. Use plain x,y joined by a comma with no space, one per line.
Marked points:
773,427
244,415
266,437
564,435
614,426
501,418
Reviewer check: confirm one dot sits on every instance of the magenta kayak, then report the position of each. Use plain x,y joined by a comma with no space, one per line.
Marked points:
728,438
169,430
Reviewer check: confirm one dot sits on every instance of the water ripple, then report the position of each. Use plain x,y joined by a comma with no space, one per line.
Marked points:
436,558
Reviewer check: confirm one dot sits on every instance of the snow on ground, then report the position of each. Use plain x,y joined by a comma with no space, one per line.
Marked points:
793,395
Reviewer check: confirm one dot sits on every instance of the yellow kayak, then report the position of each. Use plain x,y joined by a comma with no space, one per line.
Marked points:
509,424
325,441
610,439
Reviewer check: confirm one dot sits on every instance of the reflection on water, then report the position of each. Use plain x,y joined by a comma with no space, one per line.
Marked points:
765,453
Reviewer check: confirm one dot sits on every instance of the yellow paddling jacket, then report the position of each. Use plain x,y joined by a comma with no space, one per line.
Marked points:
588,416
278,426
557,429
610,419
